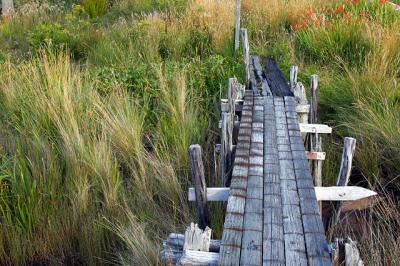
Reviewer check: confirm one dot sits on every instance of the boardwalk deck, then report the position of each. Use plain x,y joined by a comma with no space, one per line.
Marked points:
272,213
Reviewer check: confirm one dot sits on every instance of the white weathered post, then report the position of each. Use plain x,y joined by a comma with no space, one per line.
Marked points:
349,149
7,7
293,77
237,25
315,138
246,55
199,183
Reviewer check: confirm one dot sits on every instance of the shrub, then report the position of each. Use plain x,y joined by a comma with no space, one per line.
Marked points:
95,8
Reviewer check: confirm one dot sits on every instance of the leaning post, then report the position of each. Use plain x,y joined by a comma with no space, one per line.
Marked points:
346,163
196,165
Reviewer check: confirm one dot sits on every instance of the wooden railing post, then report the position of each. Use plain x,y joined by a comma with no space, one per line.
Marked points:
226,148
293,77
199,183
315,138
349,149
246,55
237,25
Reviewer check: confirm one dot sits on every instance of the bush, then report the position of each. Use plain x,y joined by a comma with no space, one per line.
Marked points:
95,8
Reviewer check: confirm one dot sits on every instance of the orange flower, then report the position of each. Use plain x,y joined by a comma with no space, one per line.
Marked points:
356,2
303,24
346,15
339,9
309,12
382,2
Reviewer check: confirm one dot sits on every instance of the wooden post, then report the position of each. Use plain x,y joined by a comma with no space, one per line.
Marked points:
349,148
246,55
199,182
237,25
315,139
7,7
197,239
293,77
226,148
233,87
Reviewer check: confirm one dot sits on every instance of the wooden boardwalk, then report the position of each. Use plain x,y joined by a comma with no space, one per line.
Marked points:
272,215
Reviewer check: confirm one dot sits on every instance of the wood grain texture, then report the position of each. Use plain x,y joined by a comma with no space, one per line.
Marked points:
314,235
233,225
276,80
295,249
199,182
252,242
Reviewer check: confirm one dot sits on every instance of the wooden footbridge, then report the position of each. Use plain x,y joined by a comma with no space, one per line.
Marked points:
272,185
272,214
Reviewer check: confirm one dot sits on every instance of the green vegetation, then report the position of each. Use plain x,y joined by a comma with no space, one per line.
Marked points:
99,102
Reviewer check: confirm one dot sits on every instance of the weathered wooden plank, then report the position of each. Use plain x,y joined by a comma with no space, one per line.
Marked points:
315,241
251,253
233,225
273,240
276,80
295,250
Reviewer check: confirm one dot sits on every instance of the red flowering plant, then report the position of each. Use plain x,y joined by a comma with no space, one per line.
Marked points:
327,13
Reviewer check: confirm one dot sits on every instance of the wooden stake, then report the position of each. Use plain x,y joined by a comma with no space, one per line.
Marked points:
349,148
347,161
199,182
246,55
237,26
315,139
293,77
226,148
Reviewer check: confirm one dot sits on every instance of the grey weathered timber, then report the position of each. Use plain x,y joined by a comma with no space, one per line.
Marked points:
276,80
237,24
252,242
197,239
349,148
196,164
314,234
295,249
273,241
226,147
246,55
198,258
315,139
233,225
293,77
